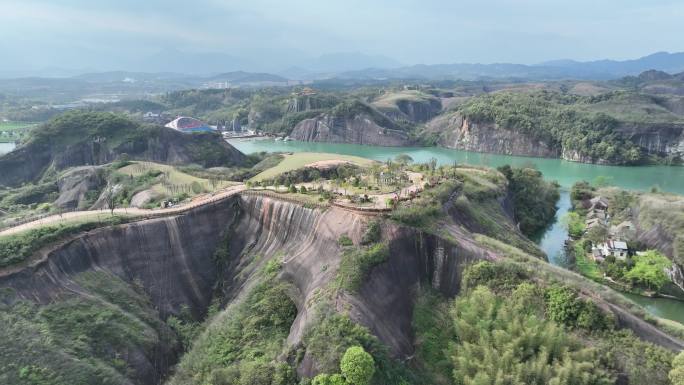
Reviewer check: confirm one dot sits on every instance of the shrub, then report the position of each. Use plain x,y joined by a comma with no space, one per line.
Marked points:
677,373
372,234
345,241
498,344
649,270
357,366
496,276
357,263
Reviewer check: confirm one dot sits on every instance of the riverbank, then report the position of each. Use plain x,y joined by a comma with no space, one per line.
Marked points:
641,178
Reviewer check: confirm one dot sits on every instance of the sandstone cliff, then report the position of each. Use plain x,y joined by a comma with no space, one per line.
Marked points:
413,106
457,132
172,261
357,129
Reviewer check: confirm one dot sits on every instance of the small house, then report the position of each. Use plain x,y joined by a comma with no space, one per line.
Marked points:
617,249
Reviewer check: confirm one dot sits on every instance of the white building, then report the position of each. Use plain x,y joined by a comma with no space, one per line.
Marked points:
617,249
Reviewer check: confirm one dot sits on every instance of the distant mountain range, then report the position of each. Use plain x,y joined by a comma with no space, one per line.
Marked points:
553,70
342,67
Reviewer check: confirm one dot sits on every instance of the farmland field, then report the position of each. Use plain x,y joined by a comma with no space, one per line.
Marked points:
13,131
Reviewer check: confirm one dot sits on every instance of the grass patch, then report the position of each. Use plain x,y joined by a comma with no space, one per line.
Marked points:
13,131
584,265
17,248
298,160
356,263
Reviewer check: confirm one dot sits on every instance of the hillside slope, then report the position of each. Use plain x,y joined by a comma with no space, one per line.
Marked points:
90,138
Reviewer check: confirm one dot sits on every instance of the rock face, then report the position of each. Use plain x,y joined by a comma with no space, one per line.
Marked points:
143,197
416,111
460,133
455,131
172,260
29,162
74,185
358,129
656,139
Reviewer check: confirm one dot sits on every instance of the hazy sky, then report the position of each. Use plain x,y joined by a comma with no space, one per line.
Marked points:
110,34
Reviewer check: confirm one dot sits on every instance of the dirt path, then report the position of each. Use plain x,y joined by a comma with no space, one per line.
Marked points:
130,211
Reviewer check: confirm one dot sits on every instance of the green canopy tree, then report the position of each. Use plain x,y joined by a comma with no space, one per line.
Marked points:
677,372
357,366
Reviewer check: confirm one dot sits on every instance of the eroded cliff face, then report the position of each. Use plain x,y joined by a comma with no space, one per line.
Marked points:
416,111
173,262
665,140
458,132
358,129
170,259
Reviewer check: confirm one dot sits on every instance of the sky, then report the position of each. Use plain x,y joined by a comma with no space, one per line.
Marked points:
272,34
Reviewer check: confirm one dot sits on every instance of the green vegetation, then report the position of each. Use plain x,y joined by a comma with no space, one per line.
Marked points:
676,375
302,159
566,121
511,324
332,334
17,248
426,210
372,234
92,336
242,344
574,224
534,199
500,341
357,366
434,333
649,270
357,262
13,131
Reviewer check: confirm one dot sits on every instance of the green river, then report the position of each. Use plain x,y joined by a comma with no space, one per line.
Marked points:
665,178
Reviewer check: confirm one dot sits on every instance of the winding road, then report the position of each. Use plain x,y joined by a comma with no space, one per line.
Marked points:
129,211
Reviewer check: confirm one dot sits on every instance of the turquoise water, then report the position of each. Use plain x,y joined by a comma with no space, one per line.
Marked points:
660,307
665,178
6,147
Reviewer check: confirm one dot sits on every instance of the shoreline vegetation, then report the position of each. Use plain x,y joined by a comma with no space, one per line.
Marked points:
605,246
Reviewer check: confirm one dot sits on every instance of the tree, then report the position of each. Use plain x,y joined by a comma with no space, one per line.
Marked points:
110,199
677,372
328,379
403,159
597,234
650,269
357,366
573,223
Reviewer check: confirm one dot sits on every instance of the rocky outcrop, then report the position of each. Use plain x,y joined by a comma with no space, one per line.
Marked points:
457,132
144,197
663,140
172,260
416,111
159,144
357,129
75,184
